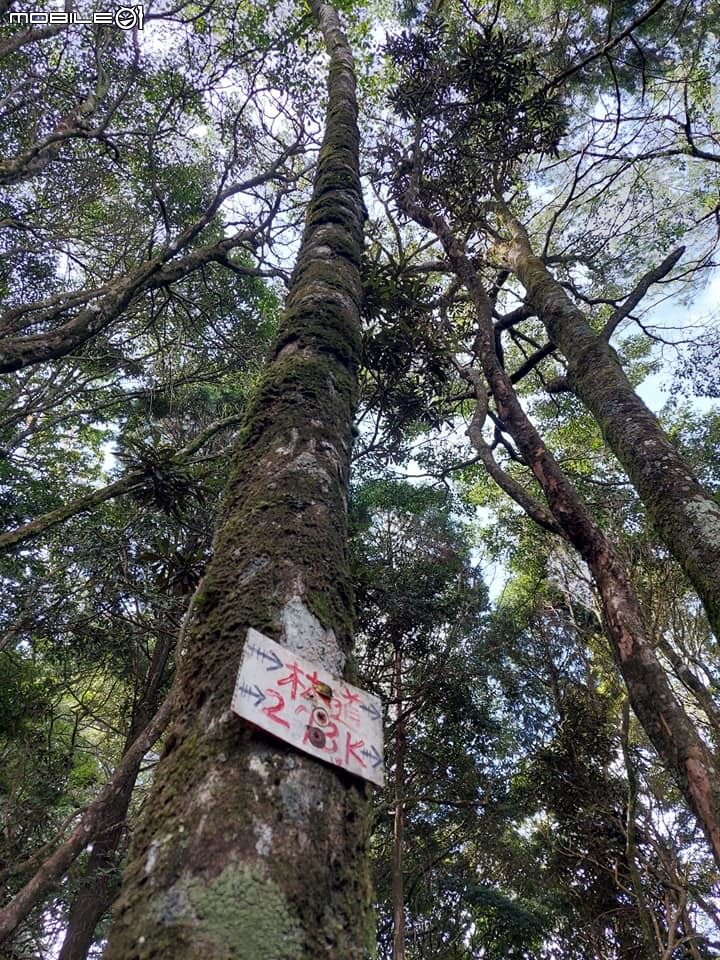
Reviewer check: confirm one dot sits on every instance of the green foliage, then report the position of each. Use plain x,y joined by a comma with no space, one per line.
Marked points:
480,102
413,576
24,693
506,926
49,754
517,794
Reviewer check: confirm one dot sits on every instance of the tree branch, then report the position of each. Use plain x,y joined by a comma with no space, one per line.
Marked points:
524,369
102,311
534,508
606,47
34,160
652,276
131,481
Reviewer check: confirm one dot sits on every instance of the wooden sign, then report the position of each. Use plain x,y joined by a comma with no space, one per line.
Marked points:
306,706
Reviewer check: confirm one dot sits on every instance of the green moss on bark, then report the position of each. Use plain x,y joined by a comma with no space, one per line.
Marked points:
240,826
244,916
662,478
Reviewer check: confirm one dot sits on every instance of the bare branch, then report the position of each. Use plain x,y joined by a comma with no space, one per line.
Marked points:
606,47
651,277
534,508
524,369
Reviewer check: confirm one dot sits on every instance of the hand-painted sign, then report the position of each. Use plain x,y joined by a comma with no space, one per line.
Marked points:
306,706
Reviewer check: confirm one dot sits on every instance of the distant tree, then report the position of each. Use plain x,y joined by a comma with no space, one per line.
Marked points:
614,856
420,608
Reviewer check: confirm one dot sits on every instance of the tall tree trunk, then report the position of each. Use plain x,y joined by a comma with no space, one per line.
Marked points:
666,723
398,887
95,893
248,847
686,516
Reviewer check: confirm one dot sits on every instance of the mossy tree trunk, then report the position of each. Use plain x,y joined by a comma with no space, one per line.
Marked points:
685,515
670,729
247,848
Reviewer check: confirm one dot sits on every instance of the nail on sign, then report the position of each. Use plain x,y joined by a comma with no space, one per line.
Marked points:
306,706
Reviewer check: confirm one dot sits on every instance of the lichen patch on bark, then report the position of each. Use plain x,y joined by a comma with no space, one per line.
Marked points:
304,634
264,834
240,914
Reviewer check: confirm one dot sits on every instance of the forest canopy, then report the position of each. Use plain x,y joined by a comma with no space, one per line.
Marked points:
389,331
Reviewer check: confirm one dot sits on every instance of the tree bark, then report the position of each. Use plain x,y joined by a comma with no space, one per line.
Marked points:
398,887
686,516
666,723
248,847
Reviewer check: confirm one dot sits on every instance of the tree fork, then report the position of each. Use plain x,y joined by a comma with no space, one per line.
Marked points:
666,723
246,846
686,516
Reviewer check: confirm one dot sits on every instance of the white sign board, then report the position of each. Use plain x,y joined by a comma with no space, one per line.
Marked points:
308,707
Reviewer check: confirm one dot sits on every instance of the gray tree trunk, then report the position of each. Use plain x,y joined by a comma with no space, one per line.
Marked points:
247,848
685,515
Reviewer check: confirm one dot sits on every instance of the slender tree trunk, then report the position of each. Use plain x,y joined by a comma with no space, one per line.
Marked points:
686,516
57,864
703,697
666,723
95,894
247,847
398,887
650,946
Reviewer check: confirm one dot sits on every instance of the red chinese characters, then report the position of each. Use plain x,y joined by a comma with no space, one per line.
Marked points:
304,705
